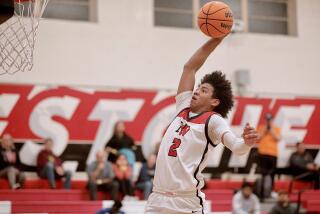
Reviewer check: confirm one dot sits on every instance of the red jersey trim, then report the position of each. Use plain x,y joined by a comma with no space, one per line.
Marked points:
198,119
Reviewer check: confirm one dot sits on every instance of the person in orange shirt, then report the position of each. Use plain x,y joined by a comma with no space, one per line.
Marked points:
268,148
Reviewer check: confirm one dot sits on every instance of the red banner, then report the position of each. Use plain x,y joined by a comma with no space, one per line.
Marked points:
24,108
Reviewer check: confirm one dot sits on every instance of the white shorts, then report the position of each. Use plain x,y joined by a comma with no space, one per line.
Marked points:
159,203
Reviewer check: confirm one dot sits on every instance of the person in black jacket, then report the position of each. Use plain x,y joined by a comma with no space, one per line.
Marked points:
9,162
121,143
304,166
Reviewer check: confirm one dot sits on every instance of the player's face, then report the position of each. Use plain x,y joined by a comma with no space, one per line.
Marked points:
202,99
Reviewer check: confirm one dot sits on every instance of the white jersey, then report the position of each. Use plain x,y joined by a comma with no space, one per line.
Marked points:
185,148
183,153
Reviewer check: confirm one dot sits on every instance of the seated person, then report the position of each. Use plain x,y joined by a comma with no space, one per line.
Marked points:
9,162
283,205
244,201
101,177
50,166
123,173
144,181
115,209
304,166
121,143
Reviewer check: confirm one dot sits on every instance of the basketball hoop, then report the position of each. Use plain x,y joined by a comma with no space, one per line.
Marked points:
18,34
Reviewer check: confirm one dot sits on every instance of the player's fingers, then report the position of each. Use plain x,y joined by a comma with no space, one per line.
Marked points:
249,128
245,133
251,136
250,132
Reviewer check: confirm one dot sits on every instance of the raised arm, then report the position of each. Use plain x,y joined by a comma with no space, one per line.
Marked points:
187,79
219,131
242,145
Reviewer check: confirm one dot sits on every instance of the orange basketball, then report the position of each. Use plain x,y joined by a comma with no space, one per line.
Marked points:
215,19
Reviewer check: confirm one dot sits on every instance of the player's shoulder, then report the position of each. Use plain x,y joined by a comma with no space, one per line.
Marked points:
217,118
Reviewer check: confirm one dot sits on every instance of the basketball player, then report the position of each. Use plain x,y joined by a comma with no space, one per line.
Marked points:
191,137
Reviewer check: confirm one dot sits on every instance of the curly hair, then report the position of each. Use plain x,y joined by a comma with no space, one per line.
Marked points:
222,91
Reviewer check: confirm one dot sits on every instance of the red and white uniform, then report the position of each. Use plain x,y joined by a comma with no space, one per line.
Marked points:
183,154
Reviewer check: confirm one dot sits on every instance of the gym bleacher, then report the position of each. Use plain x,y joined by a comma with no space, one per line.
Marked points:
37,197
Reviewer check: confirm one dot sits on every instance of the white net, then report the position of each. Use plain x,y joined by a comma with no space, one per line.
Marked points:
18,34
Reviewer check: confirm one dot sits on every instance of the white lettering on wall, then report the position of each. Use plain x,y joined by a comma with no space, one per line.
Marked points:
7,103
287,117
108,112
42,125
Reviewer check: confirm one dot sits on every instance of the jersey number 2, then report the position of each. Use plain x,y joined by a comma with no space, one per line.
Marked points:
173,148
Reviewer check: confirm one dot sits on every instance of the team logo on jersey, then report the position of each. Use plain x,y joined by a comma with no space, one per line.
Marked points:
182,130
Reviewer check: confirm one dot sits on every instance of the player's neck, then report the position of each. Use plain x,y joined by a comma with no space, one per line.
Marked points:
200,110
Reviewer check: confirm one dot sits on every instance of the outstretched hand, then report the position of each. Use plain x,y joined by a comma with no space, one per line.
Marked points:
250,135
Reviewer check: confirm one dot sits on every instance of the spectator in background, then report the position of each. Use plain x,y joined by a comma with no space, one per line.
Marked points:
123,174
268,153
50,166
283,205
115,209
121,143
9,162
101,177
244,201
304,166
146,175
